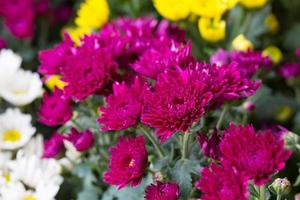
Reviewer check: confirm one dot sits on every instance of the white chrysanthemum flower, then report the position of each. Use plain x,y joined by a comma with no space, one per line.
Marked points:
34,171
9,64
4,158
23,88
17,191
15,129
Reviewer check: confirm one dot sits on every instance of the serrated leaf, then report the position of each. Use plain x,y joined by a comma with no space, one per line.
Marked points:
181,173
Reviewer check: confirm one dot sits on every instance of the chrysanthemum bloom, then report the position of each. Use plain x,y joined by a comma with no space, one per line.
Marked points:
178,100
257,155
82,141
212,30
128,162
220,57
290,70
253,3
173,10
210,146
88,70
157,60
53,59
162,191
124,107
218,182
19,17
250,61
53,146
231,84
55,109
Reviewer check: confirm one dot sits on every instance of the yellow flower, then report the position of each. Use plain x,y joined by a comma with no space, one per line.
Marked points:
173,9
212,30
241,43
76,33
284,113
209,8
92,14
54,81
231,3
274,53
272,23
253,3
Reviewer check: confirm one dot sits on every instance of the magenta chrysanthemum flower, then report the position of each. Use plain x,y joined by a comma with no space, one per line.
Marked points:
290,70
124,107
210,146
179,99
53,146
227,83
53,59
128,162
82,141
249,62
218,182
162,191
55,109
88,69
258,155
19,17
155,61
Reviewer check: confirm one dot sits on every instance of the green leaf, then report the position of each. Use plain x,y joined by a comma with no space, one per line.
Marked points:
181,173
291,38
127,193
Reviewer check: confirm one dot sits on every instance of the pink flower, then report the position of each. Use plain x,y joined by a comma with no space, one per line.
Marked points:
157,60
53,146
218,182
128,162
55,109
19,17
257,155
124,107
162,191
227,83
53,59
82,141
88,69
179,99
210,146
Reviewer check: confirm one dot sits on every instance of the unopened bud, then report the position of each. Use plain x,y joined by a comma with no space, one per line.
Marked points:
249,106
291,140
281,186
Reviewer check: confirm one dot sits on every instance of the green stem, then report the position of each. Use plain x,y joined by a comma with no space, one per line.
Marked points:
154,142
262,192
221,119
278,197
185,144
297,94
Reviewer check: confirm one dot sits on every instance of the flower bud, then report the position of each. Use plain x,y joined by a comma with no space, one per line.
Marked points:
281,186
82,141
249,106
53,146
291,140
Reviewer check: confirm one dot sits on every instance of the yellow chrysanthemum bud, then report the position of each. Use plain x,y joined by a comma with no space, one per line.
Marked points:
241,43
274,53
92,14
253,3
209,8
272,23
284,113
54,81
212,30
173,9
76,33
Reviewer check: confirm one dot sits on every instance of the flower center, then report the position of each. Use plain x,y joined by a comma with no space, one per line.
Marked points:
20,92
29,197
11,136
6,177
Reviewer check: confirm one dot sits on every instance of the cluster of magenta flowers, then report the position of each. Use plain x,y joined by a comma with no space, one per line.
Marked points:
147,75
20,16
